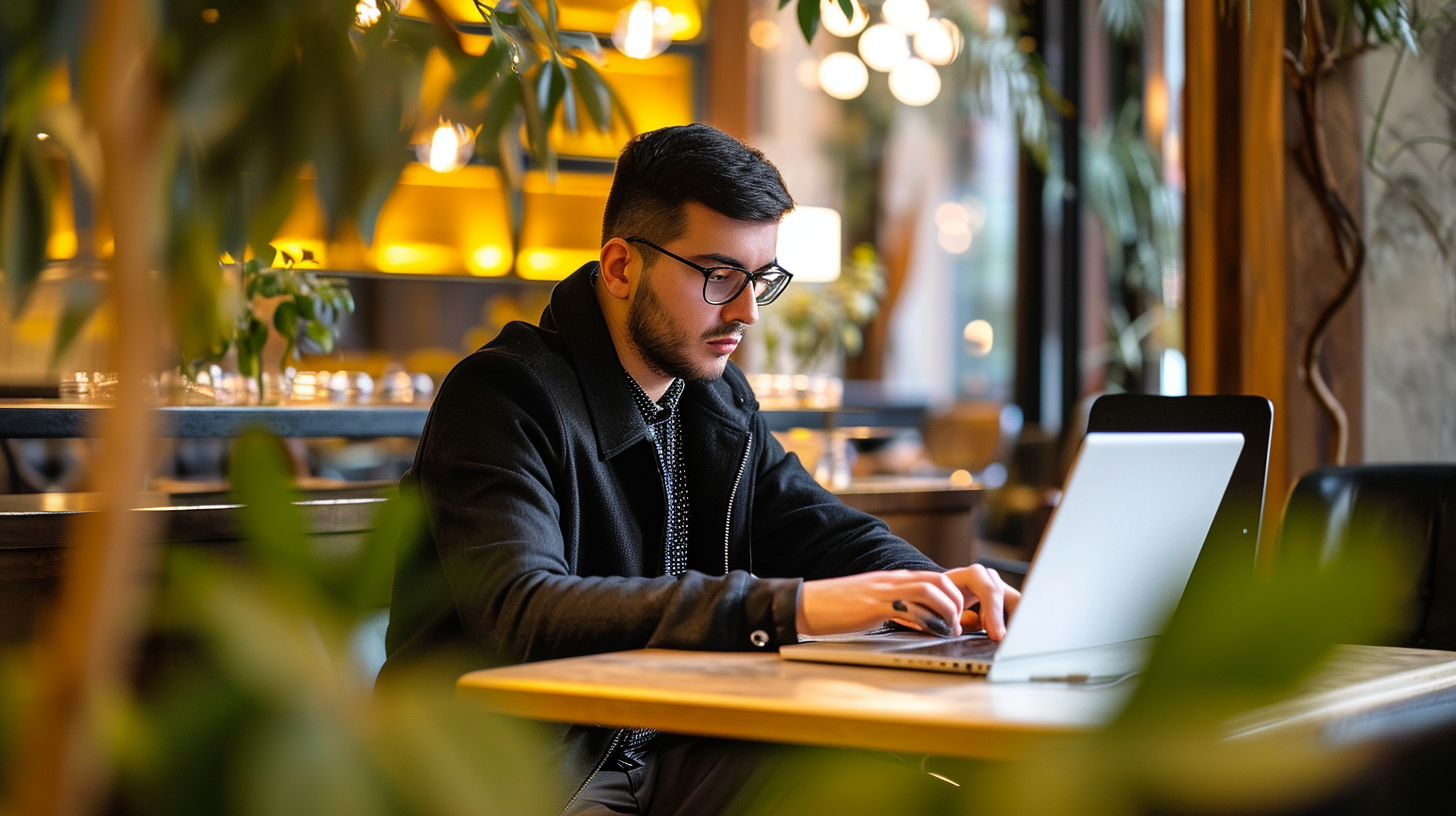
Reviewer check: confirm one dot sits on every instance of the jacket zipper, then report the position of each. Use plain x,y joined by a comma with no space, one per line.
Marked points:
601,763
728,524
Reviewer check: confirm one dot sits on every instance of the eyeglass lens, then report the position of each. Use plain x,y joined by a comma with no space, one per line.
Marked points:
725,284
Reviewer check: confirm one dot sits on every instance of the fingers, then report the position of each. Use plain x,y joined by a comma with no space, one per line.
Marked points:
996,599
936,594
854,602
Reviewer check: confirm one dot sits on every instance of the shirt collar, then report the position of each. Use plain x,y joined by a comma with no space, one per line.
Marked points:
654,412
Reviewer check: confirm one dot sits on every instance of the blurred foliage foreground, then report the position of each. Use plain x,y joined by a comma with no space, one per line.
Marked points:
249,700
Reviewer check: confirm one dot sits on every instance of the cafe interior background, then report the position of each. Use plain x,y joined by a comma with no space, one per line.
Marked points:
1006,209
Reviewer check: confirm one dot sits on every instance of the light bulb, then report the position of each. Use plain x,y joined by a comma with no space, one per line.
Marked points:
938,41
980,336
832,16
366,13
843,76
643,30
765,34
915,82
883,47
906,15
449,148
952,216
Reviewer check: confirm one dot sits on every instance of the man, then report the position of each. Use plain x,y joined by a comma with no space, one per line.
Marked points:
604,481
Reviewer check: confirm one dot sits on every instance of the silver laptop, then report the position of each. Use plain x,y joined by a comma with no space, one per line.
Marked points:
1109,572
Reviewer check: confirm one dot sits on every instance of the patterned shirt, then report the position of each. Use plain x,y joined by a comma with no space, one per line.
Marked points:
664,428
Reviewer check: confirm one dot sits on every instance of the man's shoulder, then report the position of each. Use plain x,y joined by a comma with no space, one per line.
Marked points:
520,355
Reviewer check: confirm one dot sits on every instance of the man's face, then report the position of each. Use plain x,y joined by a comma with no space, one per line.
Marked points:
676,331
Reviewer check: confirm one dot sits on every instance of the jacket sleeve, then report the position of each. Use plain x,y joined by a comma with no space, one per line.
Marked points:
491,465
801,529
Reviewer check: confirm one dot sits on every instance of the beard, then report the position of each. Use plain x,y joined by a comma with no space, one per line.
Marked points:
664,345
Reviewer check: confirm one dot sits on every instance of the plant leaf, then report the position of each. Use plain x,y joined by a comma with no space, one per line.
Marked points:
398,526
25,216
285,319
83,297
594,95
808,14
273,526
482,71
321,334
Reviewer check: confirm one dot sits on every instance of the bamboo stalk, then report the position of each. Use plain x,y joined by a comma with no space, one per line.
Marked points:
84,652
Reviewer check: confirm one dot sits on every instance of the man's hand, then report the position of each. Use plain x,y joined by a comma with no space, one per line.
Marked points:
997,601
832,606
836,605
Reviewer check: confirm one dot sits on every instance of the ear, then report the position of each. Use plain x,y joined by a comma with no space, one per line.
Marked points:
618,266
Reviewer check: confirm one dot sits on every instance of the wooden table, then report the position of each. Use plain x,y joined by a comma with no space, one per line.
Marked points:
761,697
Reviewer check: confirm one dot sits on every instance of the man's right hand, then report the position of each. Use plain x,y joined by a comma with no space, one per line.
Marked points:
832,606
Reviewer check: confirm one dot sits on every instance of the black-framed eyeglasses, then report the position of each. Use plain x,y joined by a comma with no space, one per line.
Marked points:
721,284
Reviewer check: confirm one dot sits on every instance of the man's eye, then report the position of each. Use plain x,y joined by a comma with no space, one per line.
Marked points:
719,275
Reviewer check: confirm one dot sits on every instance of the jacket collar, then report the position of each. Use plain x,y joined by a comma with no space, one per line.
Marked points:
576,317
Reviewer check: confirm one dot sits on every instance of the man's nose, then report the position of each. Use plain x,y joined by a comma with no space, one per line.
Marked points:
742,309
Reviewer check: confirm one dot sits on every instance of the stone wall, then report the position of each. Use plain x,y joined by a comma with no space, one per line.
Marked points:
1410,295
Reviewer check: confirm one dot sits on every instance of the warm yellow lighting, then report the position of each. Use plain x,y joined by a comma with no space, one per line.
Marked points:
296,248
843,76
42,136
643,30
938,41
419,259
488,261
209,15
980,337
1155,107
832,16
883,47
61,244
809,244
765,34
915,82
552,264
959,478
906,15
449,148
366,13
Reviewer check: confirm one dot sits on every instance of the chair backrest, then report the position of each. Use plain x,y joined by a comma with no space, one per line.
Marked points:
1411,507
1242,509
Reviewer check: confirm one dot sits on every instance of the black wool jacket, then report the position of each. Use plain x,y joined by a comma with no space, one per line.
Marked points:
546,514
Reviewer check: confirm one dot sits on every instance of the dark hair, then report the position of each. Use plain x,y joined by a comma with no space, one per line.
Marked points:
661,171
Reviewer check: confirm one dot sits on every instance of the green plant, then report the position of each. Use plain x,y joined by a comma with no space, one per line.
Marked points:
306,307
817,319
192,123
1141,222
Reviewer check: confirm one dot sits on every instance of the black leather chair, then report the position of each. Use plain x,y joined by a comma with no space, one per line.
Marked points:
1408,506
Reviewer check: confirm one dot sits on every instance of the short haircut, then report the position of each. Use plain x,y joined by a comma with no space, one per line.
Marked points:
661,171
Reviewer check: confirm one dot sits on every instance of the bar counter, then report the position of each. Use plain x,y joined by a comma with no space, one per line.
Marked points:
52,419
930,513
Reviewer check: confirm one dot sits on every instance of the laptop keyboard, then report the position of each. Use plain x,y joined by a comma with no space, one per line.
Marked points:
967,648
